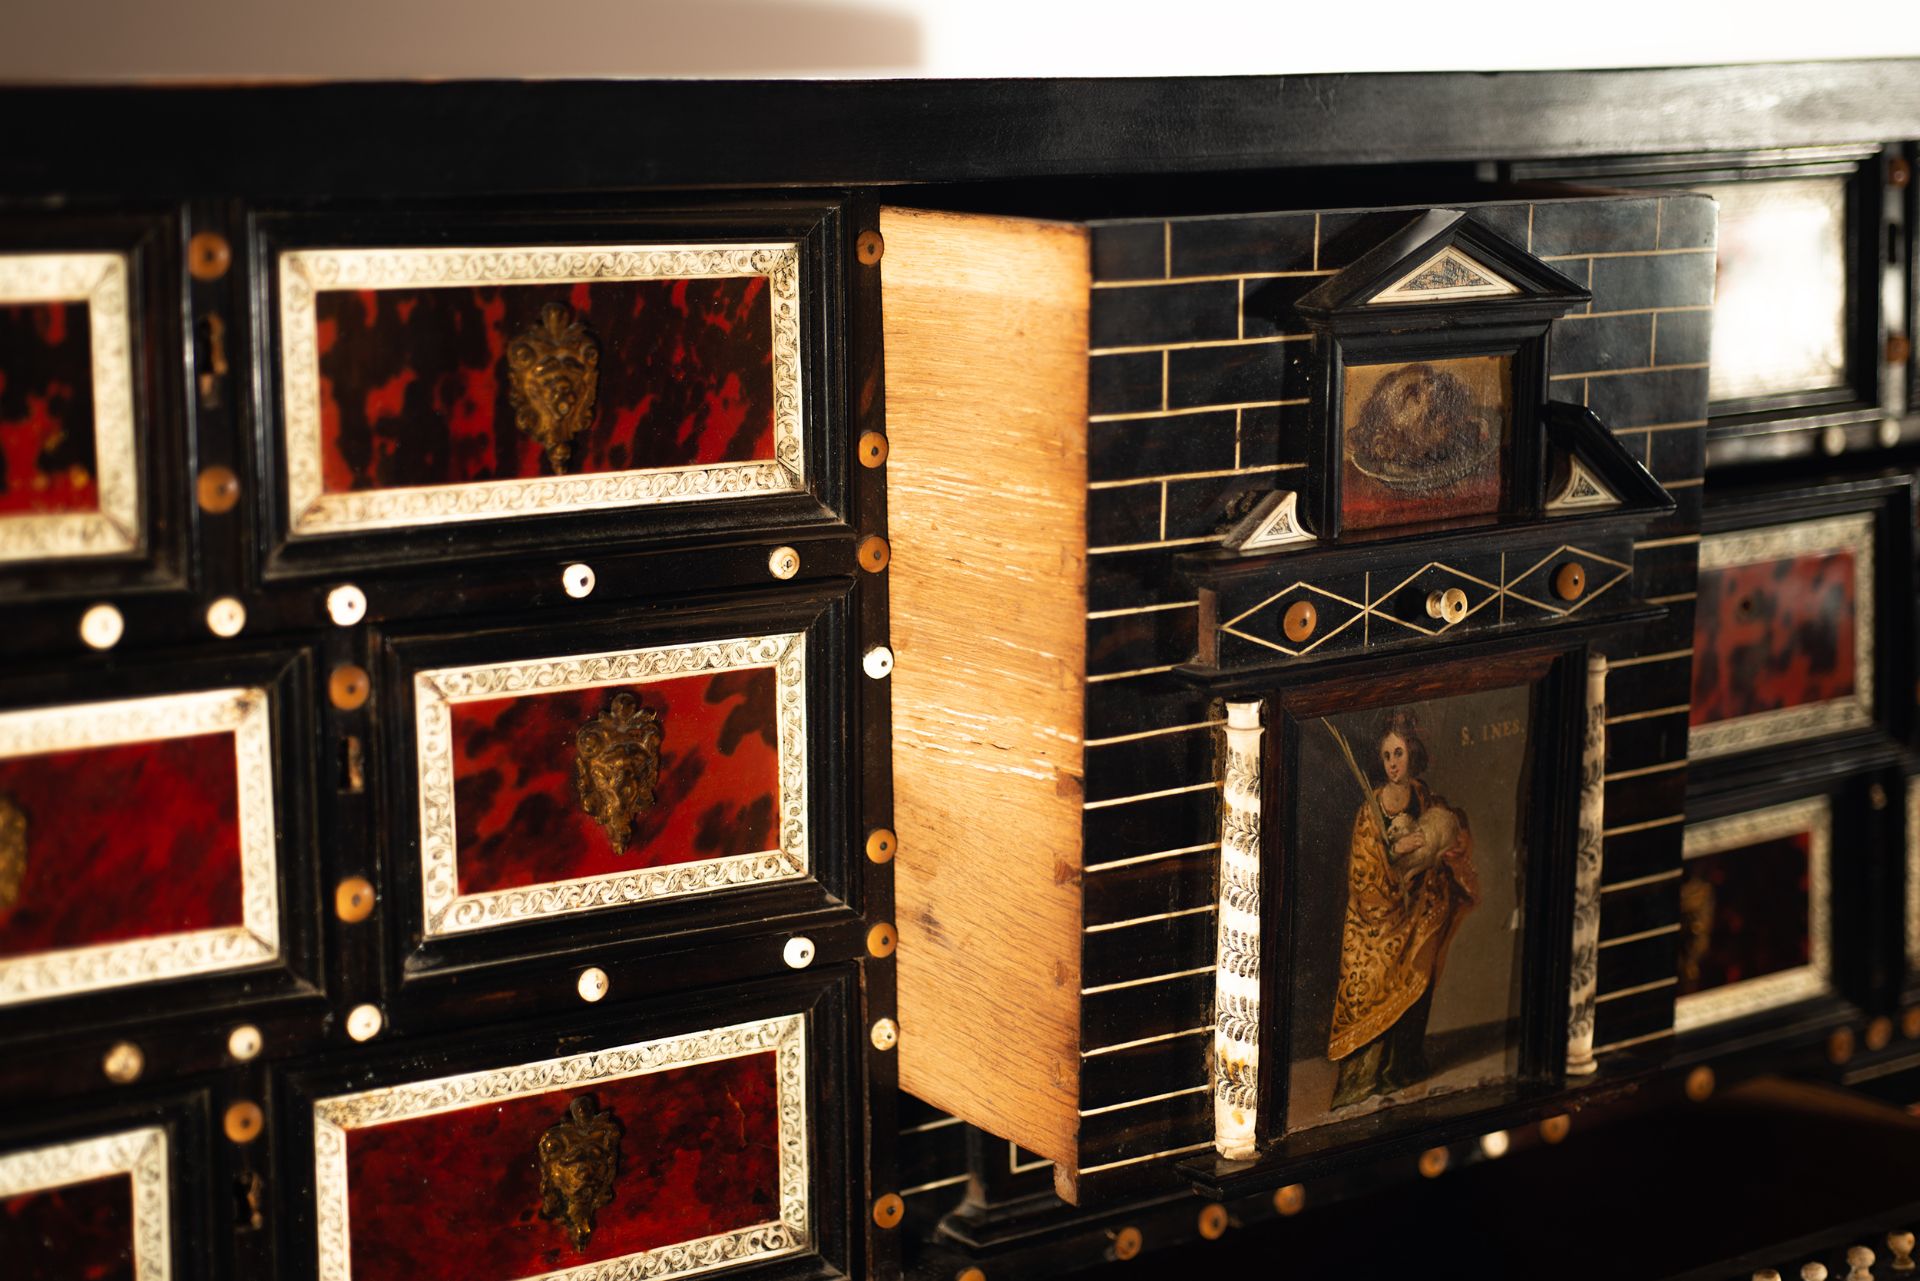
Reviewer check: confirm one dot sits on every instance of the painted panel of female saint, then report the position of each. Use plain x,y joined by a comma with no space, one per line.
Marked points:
1410,839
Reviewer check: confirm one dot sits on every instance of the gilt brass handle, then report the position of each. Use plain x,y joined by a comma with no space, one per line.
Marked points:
553,375
579,1159
616,765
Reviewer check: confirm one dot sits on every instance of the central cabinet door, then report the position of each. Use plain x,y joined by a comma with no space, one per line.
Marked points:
1284,474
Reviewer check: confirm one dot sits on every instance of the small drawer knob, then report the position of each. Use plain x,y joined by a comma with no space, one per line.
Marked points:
1570,580
1301,618
353,899
123,1063
218,490
243,1121
874,554
208,255
1449,606
348,686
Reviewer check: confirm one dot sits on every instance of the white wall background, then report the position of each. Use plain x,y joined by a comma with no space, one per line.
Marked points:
67,40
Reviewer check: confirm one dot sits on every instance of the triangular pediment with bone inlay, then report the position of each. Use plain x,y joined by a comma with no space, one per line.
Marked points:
1447,276
1441,257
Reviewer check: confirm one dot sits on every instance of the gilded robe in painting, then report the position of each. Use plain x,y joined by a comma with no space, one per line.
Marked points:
1402,912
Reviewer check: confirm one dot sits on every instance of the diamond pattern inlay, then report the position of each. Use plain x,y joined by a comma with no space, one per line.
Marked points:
1399,610
1337,613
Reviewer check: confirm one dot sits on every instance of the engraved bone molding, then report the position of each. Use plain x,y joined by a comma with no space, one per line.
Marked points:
101,282
42,730
577,1169
140,1154
613,774
552,404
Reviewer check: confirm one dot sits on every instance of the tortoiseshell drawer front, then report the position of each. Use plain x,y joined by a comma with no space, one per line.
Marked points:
1754,914
454,379
624,1151
136,842
1795,632
642,760
141,836
116,1194
95,1208
69,478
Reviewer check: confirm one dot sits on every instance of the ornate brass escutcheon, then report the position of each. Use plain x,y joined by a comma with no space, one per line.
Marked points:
13,852
578,1161
553,375
617,765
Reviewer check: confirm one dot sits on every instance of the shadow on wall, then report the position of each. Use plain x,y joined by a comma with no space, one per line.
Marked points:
82,40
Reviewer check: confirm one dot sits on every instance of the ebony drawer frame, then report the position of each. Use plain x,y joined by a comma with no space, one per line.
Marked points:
813,224
828,999
731,927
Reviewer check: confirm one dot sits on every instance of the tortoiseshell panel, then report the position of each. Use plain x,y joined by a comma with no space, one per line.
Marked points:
141,840
695,1156
69,461
82,1230
46,409
518,807
415,390
1754,933
427,386
1774,634
1745,913
137,842
1783,635
91,1209
698,1147
540,794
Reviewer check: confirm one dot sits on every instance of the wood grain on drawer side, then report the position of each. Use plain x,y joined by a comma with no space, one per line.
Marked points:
986,339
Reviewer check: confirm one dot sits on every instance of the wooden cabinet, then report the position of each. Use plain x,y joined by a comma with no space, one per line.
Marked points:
577,697
505,678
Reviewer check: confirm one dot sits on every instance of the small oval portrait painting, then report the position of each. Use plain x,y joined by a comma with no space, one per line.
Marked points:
1425,440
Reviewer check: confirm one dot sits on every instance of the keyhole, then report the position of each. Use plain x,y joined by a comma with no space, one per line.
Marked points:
353,765
248,1198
